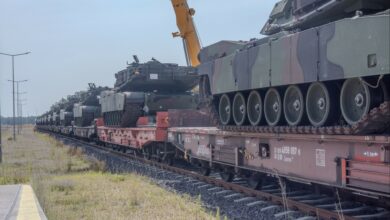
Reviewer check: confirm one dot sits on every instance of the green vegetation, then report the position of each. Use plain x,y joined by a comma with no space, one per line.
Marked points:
69,186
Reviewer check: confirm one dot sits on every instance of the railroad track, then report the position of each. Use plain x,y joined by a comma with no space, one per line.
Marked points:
294,204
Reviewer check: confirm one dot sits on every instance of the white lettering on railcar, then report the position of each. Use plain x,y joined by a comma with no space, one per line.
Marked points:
203,150
195,137
153,76
286,153
371,154
220,141
320,157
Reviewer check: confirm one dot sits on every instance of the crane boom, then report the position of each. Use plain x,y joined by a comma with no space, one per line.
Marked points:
187,30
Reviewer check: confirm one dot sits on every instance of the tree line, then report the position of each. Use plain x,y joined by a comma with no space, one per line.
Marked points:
22,120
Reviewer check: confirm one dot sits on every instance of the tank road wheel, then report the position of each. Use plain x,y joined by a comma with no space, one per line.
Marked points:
225,113
272,107
318,104
293,105
355,100
239,109
254,108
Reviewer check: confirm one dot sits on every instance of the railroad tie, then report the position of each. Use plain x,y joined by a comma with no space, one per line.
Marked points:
255,203
285,213
245,199
270,207
205,186
380,215
198,184
307,218
215,189
234,195
223,192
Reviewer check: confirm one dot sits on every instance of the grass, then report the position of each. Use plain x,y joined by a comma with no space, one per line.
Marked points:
69,186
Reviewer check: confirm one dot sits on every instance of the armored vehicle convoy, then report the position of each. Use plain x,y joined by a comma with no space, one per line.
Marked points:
323,63
146,88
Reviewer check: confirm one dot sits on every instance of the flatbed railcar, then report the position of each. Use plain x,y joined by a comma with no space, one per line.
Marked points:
355,163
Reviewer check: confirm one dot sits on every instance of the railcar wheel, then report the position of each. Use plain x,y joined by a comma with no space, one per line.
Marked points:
227,175
168,160
239,109
355,100
147,154
272,107
225,113
293,105
205,170
255,181
254,108
318,104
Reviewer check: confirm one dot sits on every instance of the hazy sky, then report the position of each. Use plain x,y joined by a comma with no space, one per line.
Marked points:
74,42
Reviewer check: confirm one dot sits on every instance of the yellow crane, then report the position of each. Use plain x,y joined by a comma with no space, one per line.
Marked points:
187,31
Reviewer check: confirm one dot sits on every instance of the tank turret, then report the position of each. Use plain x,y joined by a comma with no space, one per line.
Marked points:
292,15
146,88
156,76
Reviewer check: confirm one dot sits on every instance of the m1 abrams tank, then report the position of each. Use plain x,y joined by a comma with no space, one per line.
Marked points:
88,109
154,76
144,89
324,67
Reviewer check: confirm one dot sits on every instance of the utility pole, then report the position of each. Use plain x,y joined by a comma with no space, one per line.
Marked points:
13,85
20,114
17,103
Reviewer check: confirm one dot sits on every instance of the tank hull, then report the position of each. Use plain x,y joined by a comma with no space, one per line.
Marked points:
124,108
330,52
351,65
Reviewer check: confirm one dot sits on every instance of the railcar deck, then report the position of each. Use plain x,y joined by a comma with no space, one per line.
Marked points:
347,161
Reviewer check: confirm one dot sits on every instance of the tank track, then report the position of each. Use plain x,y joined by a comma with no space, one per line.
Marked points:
131,114
126,118
376,121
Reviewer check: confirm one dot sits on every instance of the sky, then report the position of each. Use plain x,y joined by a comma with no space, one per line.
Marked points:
75,42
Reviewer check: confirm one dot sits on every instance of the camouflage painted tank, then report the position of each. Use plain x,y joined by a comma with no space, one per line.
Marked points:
144,89
323,63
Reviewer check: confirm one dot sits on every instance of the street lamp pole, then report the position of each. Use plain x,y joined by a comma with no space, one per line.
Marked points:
13,86
13,95
17,100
